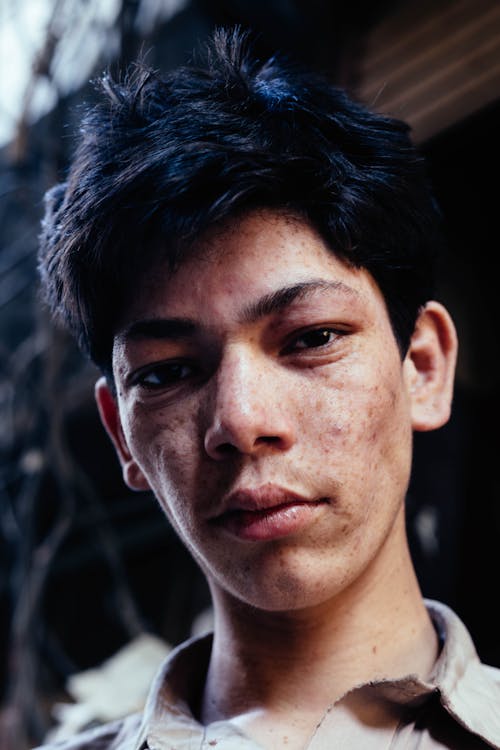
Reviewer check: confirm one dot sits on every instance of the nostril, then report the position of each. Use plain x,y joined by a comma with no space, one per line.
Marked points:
268,440
229,449
226,449
225,439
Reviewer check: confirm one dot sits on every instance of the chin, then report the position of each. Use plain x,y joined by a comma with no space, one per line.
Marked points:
287,588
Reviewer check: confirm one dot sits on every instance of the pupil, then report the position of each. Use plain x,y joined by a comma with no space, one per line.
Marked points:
317,338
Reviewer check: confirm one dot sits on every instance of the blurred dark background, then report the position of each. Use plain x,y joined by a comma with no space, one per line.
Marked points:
85,565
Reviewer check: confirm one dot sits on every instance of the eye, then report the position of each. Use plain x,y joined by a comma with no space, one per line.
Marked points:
313,339
164,375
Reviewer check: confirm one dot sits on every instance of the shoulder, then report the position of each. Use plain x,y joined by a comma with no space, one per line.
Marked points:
116,735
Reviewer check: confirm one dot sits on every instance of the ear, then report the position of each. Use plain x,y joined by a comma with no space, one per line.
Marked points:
110,417
429,367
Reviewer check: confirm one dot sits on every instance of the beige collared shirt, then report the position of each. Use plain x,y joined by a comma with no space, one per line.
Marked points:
458,707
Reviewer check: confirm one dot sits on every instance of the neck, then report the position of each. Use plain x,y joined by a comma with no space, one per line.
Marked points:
377,628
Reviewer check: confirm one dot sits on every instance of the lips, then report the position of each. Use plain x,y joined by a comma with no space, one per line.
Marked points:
267,513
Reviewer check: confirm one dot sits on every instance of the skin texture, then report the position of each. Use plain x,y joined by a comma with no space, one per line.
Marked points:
283,386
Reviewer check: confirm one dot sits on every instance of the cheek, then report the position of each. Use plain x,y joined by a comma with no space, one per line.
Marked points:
163,444
385,438
363,429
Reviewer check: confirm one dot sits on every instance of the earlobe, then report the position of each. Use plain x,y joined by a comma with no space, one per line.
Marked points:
430,367
110,417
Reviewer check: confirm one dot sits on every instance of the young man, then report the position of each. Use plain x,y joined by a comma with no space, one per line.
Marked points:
246,254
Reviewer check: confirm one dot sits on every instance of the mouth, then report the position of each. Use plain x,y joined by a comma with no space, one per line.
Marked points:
267,513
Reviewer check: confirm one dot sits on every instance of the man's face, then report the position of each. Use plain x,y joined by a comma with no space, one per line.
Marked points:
262,397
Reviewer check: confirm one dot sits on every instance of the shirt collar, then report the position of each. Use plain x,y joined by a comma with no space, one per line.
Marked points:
467,689
177,685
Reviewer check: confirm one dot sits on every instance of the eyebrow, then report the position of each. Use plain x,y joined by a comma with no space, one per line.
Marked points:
180,328
158,328
283,298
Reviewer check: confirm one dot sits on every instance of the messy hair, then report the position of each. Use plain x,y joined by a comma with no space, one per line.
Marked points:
161,158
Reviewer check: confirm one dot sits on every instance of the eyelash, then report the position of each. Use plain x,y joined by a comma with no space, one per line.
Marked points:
332,333
165,368
174,377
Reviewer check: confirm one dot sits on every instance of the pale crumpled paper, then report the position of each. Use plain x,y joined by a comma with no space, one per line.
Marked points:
112,690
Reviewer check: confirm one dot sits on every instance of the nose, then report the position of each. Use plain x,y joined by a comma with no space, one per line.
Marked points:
247,409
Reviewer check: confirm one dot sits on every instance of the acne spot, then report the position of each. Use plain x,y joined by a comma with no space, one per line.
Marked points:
374,649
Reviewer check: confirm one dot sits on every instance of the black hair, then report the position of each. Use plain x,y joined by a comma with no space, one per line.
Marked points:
163,158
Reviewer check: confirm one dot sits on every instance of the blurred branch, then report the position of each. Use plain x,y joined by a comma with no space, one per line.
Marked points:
127,25
42,65
38,437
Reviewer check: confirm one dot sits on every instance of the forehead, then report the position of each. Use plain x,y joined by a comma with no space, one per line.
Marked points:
244,259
